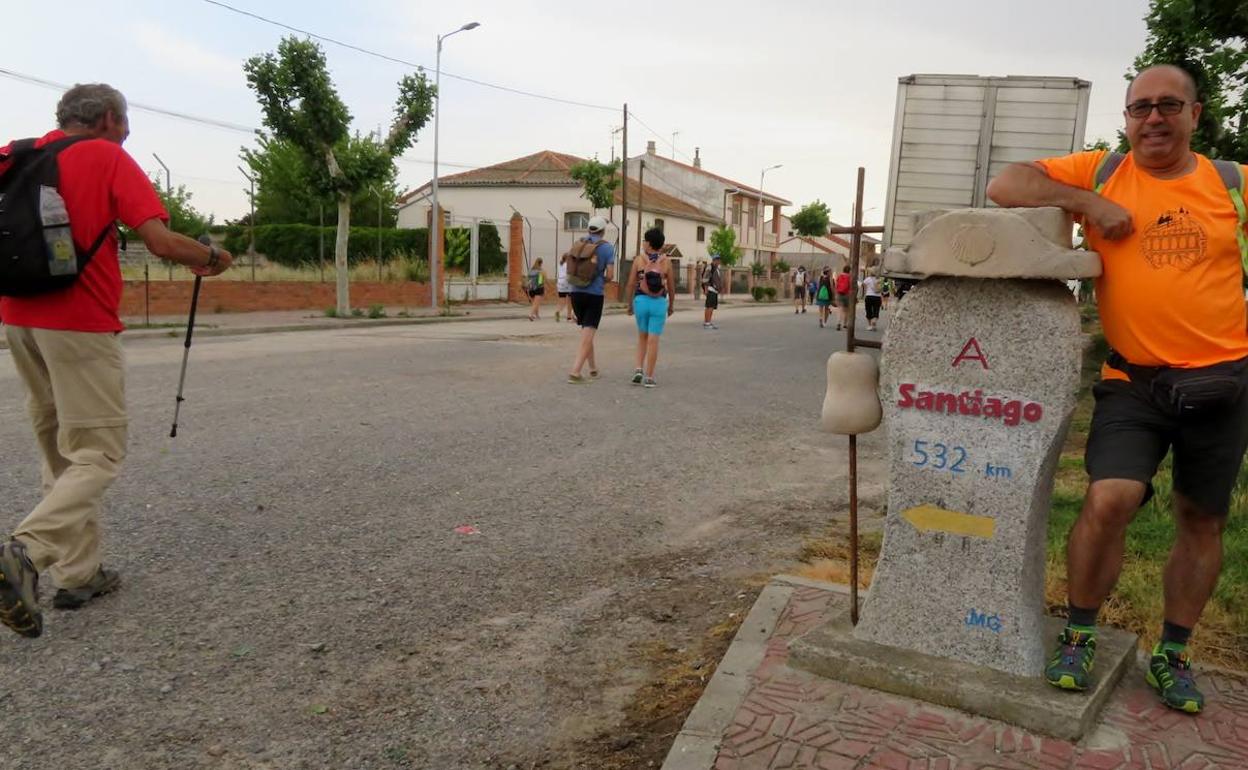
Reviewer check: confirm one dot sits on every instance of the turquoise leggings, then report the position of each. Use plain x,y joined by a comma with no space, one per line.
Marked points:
651,313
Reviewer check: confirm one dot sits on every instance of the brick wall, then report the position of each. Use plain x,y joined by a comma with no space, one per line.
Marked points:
218,296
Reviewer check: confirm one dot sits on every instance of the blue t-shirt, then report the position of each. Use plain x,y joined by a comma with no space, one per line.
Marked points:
606,255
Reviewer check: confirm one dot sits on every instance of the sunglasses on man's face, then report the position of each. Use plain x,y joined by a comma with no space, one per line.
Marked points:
1167,107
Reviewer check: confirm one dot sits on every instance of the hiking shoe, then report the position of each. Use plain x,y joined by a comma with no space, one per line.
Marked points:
1170,674
105,580
19,591
593,374
576,379
1070,668
650,383
637,376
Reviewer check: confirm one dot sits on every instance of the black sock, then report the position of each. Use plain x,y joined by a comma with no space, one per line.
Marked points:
1174,636
1082,616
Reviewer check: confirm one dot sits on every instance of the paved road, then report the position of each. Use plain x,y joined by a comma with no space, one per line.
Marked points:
297,596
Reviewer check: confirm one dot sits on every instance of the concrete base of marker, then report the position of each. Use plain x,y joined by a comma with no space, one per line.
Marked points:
1031,703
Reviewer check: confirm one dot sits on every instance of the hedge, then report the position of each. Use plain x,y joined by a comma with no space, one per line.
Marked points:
297,245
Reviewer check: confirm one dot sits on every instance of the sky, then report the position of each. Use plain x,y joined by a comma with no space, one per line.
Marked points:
809,84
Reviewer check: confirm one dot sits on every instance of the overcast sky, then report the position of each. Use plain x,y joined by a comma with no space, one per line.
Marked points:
807,83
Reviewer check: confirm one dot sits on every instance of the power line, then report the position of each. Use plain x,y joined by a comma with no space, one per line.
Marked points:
137,105
51,84
657,135
396,60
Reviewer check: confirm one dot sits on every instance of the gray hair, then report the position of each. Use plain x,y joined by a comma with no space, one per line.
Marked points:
86,104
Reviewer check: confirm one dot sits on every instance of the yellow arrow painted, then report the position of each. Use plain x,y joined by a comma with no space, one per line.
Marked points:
929,518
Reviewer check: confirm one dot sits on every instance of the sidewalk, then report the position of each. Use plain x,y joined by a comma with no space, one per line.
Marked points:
227,324
757,713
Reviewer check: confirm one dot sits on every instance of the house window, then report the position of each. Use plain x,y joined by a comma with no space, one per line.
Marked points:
576,220
701,233
736,212
658,223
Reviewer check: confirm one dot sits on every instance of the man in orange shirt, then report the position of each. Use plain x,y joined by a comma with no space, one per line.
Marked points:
1172,306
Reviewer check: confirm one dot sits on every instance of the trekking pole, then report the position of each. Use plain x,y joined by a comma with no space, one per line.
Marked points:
186,349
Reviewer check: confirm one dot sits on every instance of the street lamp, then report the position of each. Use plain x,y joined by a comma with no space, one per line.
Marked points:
436,215
758,233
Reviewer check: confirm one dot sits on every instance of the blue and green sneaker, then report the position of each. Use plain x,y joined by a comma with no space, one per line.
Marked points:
1070,668
1170,674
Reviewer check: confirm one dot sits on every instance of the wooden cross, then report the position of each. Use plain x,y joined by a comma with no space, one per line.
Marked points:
856,231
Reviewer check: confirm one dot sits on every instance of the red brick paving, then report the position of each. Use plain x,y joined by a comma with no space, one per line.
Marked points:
792,720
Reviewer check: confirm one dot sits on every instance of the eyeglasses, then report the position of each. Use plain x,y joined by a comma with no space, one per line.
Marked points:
1167,108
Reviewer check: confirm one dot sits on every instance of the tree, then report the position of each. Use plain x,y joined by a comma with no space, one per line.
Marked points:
812,219
599,181
724,243
286,191
301,106
1207,38
183,218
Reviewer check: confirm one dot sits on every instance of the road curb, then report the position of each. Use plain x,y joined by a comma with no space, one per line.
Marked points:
175,332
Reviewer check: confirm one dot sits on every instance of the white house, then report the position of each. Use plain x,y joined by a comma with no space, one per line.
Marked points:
741,206
541,189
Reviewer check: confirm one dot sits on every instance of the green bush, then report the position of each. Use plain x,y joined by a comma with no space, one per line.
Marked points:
376,310
757,269
357,312
782,266
298,245
758,293
770,291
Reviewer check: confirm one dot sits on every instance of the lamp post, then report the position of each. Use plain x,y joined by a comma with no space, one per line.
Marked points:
251,221
436,215
758,232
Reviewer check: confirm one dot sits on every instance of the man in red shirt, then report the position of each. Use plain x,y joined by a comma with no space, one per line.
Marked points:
65,347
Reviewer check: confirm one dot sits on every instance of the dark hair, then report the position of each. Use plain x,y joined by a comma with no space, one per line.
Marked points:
654,237
845,269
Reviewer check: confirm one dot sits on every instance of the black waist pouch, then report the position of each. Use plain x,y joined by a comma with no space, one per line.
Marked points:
1190,392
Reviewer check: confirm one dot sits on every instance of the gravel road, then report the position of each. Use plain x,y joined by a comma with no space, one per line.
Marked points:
297,596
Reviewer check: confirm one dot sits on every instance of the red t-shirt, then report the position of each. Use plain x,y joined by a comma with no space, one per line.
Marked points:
842,283
100,183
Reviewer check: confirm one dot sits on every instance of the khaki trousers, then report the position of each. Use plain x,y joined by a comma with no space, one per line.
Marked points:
75,383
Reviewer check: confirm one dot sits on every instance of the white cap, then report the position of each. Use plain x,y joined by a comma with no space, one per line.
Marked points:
597,224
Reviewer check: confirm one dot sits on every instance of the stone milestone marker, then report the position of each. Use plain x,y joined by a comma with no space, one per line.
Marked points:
979,376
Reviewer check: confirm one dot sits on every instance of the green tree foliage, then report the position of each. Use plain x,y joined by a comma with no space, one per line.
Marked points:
490,255
723,241
812,219
1207,38
287,189
599,181
301,106
183,218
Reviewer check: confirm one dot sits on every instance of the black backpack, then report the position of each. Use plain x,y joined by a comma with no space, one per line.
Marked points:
36,257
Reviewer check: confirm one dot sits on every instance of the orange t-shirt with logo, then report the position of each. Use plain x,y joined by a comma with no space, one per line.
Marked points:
1171,293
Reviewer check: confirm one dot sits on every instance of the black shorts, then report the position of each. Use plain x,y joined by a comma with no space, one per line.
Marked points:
1131,432
587,308
873,306
537,292
712,300
799,292
564,293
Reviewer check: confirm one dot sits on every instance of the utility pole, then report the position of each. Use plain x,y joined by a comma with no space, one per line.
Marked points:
624,206
674,135
320,237
251,222
378,191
